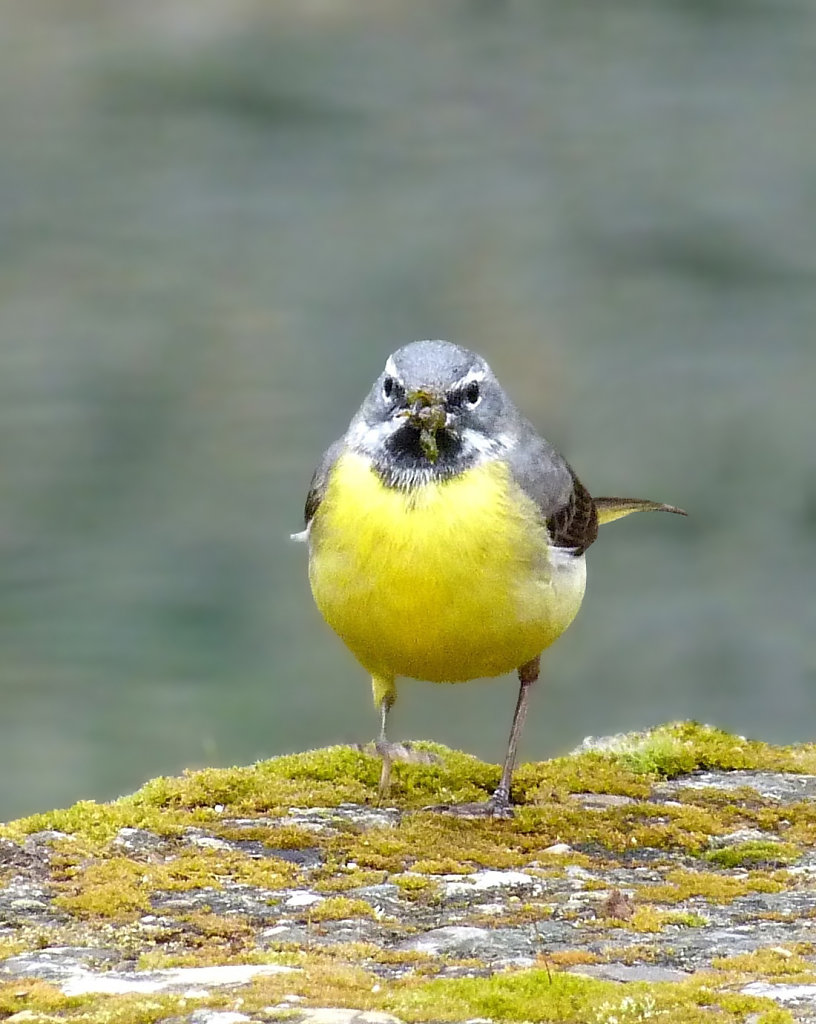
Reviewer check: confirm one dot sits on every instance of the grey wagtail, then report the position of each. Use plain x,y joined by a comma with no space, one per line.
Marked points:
446,538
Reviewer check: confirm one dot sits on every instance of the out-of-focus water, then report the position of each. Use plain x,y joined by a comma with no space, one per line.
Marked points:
217,219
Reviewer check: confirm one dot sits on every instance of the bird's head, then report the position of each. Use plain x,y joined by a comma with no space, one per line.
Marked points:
435,410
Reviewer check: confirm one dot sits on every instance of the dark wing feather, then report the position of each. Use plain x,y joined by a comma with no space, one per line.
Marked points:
564,503
575,525
320,479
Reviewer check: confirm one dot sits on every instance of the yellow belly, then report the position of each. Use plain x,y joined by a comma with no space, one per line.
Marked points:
447,582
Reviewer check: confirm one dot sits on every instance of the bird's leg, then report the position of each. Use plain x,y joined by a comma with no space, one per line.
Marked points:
527,674
385,707
382,749
385,693
499,806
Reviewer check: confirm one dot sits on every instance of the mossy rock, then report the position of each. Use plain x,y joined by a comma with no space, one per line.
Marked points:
622,857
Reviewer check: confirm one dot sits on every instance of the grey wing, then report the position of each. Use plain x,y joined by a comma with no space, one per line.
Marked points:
320,479
565,504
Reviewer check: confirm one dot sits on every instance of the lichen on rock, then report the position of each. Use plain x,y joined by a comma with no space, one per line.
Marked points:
666,875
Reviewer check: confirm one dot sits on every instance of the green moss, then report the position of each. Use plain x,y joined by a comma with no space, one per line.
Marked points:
618,829
683,747
646,918
99,823
324,777
44,1004
317,778
218,934
515,914
167,806
34,996
572,957
10,947
416,887
274,837
634,953
754,853
340,879
469,844
797,821
120,888
337,774
105,890
530,995
682,885
589,772
650,919
461,846
775,962
115,888
441,866
340,908
686,919
334,775
455,778
541,995
738,798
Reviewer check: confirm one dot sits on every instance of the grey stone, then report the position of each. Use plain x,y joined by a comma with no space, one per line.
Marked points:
56,963
600,801
489,879
13,855
783,993
37,840
495,945
25,902
471,921
783,787
179,979
634,972
342,1015
302,899
218,1017
743,835
257,904
386,898
138,840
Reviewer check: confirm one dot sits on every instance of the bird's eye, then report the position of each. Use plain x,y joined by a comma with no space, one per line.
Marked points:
389,386
472,393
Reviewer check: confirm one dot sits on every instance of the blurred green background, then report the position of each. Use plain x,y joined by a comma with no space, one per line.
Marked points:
217,218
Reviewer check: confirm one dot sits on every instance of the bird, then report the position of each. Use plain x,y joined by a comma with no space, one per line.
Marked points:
447,539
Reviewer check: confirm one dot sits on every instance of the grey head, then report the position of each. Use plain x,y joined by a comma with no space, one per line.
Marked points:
435,410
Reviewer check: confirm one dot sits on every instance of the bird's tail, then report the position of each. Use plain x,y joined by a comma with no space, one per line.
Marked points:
610,509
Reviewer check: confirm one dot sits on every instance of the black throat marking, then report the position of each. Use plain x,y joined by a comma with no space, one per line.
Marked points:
403,464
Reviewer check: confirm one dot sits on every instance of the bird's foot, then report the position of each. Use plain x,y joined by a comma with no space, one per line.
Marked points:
405,751
498,806
391,752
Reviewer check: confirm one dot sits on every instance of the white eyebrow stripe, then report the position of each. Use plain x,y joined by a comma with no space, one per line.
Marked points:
391,367
470,377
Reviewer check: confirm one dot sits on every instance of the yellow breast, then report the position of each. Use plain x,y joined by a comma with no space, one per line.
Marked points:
447,582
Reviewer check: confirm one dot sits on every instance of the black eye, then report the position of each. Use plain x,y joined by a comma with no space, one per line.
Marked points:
472,393
389,385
